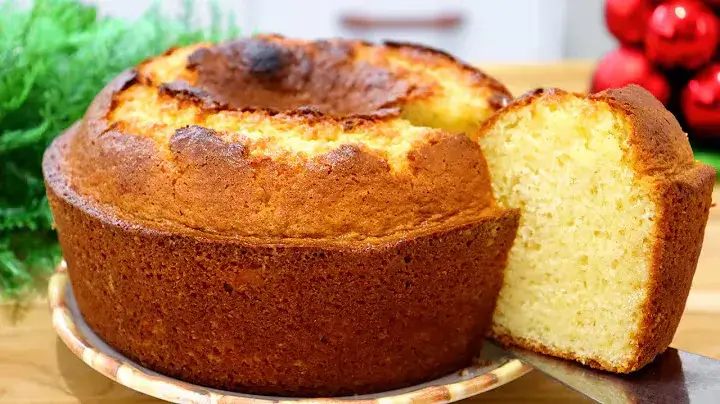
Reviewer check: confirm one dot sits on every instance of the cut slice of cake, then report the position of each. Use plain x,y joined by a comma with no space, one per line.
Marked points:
614,208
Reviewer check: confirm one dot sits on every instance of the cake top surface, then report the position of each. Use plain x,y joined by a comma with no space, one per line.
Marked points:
290,100
278,138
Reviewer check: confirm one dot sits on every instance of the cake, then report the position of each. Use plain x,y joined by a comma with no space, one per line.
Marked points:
286,217
324,218
613,211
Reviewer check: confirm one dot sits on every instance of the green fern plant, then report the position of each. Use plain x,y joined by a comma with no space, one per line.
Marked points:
55,56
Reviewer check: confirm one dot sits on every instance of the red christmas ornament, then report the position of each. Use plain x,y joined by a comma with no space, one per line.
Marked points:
625,66
628,19
701,103
681,33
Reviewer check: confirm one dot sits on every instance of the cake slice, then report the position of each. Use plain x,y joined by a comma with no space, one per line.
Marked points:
614,208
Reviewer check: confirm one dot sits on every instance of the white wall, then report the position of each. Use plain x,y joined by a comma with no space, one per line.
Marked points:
513,31
586,36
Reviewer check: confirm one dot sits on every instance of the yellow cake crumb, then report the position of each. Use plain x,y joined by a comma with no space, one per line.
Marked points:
577,275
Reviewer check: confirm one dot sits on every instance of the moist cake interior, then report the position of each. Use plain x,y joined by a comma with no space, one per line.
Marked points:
576,274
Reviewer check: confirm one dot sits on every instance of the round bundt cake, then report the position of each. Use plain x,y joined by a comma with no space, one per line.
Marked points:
286,217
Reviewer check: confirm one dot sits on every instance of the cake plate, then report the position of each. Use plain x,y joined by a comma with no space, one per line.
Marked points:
494,368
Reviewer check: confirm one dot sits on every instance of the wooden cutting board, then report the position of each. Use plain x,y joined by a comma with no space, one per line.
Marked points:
35,366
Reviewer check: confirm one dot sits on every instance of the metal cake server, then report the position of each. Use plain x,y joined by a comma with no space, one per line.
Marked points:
675,377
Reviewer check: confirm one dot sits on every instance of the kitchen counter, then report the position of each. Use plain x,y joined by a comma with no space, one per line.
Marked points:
36,367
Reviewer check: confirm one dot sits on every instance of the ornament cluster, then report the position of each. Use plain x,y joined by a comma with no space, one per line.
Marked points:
672,49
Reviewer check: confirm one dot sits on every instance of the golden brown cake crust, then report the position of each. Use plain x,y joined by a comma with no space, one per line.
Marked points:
660,147
683,192
287,319
682,188
211,180
684,202
203,253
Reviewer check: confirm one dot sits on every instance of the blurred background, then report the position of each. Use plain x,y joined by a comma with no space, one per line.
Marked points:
509,31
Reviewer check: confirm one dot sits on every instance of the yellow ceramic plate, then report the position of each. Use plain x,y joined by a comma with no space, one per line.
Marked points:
495,371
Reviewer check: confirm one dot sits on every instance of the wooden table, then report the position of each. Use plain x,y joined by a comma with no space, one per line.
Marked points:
35,366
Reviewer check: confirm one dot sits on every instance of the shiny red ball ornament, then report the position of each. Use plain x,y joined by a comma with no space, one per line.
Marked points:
625,66
627,20
701,103
681,33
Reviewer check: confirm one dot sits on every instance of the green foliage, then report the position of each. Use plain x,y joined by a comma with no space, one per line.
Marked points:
709,157
55,56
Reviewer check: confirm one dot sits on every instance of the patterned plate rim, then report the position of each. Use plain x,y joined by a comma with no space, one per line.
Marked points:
166,388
